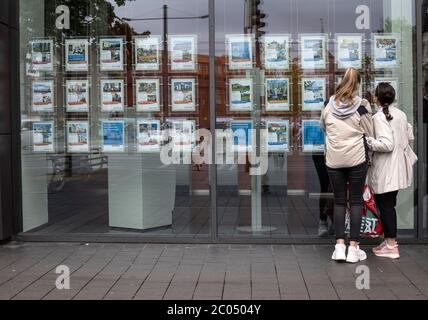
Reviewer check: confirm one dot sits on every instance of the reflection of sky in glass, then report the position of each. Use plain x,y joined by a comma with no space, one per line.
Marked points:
141,9
283,16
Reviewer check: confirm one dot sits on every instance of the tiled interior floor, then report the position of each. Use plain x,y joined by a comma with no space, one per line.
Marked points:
191,217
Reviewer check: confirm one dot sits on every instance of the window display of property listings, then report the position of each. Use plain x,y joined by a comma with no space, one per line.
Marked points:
140,86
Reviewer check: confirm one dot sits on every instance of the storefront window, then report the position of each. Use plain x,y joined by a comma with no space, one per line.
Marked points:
108,85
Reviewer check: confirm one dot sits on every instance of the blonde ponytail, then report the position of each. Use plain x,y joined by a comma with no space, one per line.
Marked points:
348,88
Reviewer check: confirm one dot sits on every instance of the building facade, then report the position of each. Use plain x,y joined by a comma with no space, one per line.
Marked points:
193,120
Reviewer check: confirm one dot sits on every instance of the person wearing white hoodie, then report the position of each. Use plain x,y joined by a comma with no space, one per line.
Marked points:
347,122
392,167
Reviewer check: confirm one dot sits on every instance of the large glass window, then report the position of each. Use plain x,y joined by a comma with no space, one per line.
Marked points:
113,93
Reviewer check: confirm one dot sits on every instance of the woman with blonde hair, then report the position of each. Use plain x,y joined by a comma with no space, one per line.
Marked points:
347,122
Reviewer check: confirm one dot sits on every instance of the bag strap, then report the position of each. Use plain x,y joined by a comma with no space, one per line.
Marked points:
362,110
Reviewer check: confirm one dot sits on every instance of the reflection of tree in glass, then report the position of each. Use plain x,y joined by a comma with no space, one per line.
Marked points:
87,19
97,14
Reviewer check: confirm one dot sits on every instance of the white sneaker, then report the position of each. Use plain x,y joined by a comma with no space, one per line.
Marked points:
355,255
339,253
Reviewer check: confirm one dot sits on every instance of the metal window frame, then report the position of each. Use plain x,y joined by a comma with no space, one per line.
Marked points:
421,176
213,102
16,205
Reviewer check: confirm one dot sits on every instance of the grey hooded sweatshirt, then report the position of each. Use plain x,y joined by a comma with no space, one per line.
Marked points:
347,125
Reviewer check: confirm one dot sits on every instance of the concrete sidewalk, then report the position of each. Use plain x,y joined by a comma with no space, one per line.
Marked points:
158,271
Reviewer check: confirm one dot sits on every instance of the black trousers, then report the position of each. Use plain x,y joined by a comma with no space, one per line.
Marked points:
386,204
356,178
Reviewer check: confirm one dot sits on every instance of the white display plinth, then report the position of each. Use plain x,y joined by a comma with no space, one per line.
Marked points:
276,175
141,191
34,191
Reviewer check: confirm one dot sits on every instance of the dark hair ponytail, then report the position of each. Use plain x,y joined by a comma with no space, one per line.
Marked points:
385,93
388,116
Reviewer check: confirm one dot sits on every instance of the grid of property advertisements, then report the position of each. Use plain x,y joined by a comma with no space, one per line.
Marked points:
152,91
97,89
298,76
